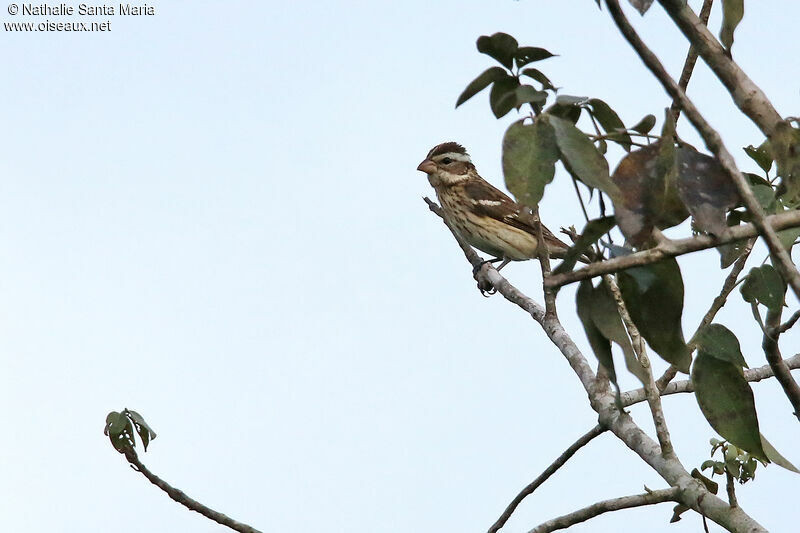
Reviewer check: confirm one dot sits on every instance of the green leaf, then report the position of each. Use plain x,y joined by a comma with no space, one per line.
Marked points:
565,99
580,156
486,78
502,98
568,112
500,46
775,457
765,286
784,145
145,432
645,125
760,155
720,342
529,54
538,76
599,343
526,94
611,122
732,13
641,6
726,401
593,230
712,486
660,324
529,157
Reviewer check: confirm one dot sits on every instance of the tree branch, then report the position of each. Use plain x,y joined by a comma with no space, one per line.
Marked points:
747,96
672,248
693,493
549,471
180,497
781,259
776,362
626,502
691,60
751,375
652,393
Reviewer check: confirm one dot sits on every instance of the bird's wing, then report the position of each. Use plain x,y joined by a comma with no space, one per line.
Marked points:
491,202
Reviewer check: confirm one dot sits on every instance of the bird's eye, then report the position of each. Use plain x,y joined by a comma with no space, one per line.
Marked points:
447,160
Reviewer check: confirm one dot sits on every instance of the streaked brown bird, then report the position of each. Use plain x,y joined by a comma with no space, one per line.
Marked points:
483,215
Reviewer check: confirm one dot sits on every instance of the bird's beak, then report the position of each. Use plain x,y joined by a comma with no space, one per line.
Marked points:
427,166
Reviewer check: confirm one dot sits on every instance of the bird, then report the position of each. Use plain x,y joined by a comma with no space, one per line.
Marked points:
485,217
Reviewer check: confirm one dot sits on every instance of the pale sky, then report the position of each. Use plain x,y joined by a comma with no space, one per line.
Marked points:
212,216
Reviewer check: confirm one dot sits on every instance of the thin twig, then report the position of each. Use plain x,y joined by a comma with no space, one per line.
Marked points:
626,502
786,326
752,375
781,259
691,60
776,362
549,471
180,497
731,489
544,260
673,248
653,398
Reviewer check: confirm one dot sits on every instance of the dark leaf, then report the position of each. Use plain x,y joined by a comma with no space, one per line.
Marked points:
732,13
706,190
500,46
502,98
568,112
610,122
660,324
645,125
679,509
712,487
765,286
760,155
730,252
649,196
581,158
145,432
529,54
599,343
720,342
726,400
641,5
538,76
486,78
593,230
529,157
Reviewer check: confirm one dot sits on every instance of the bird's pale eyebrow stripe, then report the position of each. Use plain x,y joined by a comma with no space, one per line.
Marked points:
455,157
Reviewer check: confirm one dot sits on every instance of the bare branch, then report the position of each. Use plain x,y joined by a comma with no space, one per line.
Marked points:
781,259
752,375
691,60
180,497
786,326
652,393
776,362
673,248
549,471
746,94
605,506
730,486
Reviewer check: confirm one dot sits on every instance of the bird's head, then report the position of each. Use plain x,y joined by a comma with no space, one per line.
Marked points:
446,163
